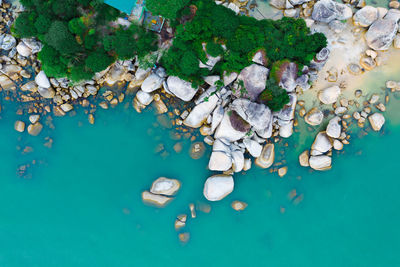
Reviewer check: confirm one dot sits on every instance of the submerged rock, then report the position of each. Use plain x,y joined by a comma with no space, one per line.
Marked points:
217,187
35,129
266,159
314,117
157,200
238,205
165,186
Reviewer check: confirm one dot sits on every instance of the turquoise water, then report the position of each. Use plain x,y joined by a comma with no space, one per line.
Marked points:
123,5
82,204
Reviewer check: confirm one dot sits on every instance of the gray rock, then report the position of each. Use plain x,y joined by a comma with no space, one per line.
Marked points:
180,88
329,95
320,163
254,78
314,117
7,42
381,34
156,200
334,129
33,44
200,112
328,10
144,98
226,129
257,115
322,143
42,80
365,16
267,157
253,147
289,76
46,92
377,120
23,50
151,83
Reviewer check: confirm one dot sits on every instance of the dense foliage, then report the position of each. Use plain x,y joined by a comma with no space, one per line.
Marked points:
78,38
273,96
213,24
166,8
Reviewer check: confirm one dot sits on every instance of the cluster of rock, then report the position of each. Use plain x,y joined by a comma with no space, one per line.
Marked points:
161,192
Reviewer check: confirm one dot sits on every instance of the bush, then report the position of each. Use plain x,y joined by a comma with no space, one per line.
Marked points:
214,49
61,39
273,96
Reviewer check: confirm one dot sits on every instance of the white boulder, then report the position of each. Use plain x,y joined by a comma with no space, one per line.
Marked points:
165,186
329,95
217,187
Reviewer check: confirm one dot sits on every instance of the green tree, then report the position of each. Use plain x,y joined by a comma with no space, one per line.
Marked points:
214,49
273,96
61,39
42,24
166,8
24,25
98,60
51,63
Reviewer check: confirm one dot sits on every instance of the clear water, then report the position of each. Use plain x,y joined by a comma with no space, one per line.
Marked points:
82,206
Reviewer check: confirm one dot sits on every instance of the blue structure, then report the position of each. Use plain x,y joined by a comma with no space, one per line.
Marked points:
122,5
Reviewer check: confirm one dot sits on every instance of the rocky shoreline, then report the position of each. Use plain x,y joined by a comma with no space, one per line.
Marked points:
240,130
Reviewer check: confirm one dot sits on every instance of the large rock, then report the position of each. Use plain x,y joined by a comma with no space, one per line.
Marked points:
144,98
381,34
42,80
304,159
33,44
152,83
220,159
253,147
329,95
254,78
328,10
227,130
237,160
279,4
217,116
266,159
257,115
314,116
334,129
285,128
377,120
365,16
200,112
156,200
217,187
322,143
287,113
165,186
320,163
180,88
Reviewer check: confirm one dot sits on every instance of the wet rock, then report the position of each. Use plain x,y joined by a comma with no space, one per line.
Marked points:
165,186
328,10
381,34
91,118
314,117
144,98
217,187
254,78
34,118
46,92
180,221
365,16
266,159
29,86
321,162
303,158
377,120
282,171
180,88
6,83
334,128
156,200
42,80
238,205
329,95
66,107
19,126
35,129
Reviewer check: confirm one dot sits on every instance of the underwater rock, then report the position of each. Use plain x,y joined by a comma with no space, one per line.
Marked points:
19,126
238,205
35,129
266,159
156,200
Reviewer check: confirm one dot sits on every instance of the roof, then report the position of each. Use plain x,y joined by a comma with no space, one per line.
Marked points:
122,5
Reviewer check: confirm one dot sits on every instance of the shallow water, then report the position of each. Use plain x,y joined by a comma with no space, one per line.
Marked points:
82,205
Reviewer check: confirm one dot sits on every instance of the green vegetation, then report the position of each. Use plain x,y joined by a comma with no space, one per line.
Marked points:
78,38
166,8
273,96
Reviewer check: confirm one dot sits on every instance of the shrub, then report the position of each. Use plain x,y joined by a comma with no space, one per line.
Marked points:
166,8
214,49
273,96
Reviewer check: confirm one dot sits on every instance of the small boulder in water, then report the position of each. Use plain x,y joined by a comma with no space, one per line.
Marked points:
165,186
377,120
217,187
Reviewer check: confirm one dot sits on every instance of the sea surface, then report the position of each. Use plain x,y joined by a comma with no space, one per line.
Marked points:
79,202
